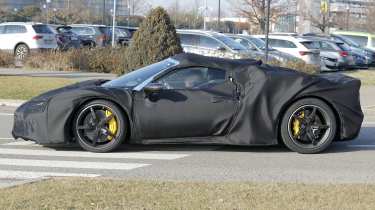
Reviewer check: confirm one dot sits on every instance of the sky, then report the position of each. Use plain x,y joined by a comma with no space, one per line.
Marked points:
188,4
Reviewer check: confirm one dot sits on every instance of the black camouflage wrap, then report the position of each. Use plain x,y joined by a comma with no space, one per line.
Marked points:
250,116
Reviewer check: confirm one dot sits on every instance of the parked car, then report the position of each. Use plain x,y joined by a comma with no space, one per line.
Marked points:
66,38
365,40
258,45
295,46
334,54
122,35
92,35
213,44
21,38
356,48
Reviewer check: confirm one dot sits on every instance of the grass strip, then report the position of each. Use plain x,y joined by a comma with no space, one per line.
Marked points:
75,193
24,88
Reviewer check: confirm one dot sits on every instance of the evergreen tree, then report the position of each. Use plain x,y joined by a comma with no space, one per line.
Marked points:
155,40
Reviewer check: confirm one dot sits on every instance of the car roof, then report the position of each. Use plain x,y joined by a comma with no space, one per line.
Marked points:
354,33
199,32
190,59
325,39
22,23
284,37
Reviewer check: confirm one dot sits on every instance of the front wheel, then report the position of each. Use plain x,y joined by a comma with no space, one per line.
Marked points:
22,51
100,126
308,126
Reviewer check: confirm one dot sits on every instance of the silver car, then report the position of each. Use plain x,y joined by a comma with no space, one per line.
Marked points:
259,46
212,44
334,55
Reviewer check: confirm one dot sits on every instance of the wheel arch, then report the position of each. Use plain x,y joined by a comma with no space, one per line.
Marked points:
287,105
18,44
90,99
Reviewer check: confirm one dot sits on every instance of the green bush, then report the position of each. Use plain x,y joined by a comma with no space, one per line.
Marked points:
6,59
155,40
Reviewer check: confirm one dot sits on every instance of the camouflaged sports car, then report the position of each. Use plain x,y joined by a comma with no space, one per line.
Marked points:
197,100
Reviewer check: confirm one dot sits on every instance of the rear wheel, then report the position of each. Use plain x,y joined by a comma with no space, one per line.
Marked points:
21,51
308,126
100,126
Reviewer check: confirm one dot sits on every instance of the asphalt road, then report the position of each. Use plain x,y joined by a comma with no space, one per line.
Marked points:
344,162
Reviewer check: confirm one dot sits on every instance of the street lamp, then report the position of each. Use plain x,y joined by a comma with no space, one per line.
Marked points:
268,28
347,17
114,23
54,15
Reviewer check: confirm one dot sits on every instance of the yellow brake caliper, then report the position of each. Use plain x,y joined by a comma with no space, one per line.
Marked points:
297,124
112,124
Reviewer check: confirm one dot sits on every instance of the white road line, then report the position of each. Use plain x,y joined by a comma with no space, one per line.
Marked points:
119,155
6,138
71,164
362,146
6,114
20,143
5,174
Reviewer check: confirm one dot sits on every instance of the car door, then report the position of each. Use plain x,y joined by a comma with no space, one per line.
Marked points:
2,38
13,34
194,102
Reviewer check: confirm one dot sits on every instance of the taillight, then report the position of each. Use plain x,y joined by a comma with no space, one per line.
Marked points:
102,37
37,37
344,53
302,53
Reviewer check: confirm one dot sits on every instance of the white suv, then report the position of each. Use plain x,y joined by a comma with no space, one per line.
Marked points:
298,47
20,38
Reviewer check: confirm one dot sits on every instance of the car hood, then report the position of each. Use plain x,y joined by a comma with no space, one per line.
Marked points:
80,85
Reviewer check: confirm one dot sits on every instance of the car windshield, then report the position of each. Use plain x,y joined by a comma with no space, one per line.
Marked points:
349,41
230,42
260,44
42,29
137,77
311,45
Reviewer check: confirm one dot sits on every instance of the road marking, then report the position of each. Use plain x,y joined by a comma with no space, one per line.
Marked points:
4,174
118,155
362,146
71,164
6,138
6,114
21,143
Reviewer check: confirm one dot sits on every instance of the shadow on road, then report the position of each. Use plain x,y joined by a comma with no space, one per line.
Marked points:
364,142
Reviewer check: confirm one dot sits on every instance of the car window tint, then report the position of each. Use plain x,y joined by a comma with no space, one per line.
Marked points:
209,42
193,78
313,45
245,43
83,31
325,46
281,43
189,39
361,40
15,29
42,29
2,28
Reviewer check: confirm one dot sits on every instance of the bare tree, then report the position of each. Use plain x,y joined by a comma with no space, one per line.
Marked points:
256,11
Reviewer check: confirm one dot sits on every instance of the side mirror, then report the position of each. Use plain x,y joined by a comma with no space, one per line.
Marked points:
153,88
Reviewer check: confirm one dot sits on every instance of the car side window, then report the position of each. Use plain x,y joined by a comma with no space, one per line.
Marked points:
208,42
326,46
361,40
15,29
2,28
282,43
189,39
192,78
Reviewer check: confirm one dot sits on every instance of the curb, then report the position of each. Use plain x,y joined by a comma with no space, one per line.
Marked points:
11,103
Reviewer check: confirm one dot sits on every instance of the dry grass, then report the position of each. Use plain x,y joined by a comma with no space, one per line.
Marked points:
92,60
120,194
15,87
6,59
366,76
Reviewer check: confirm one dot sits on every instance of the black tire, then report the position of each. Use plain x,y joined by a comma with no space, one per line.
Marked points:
92,131
314,131
21,52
